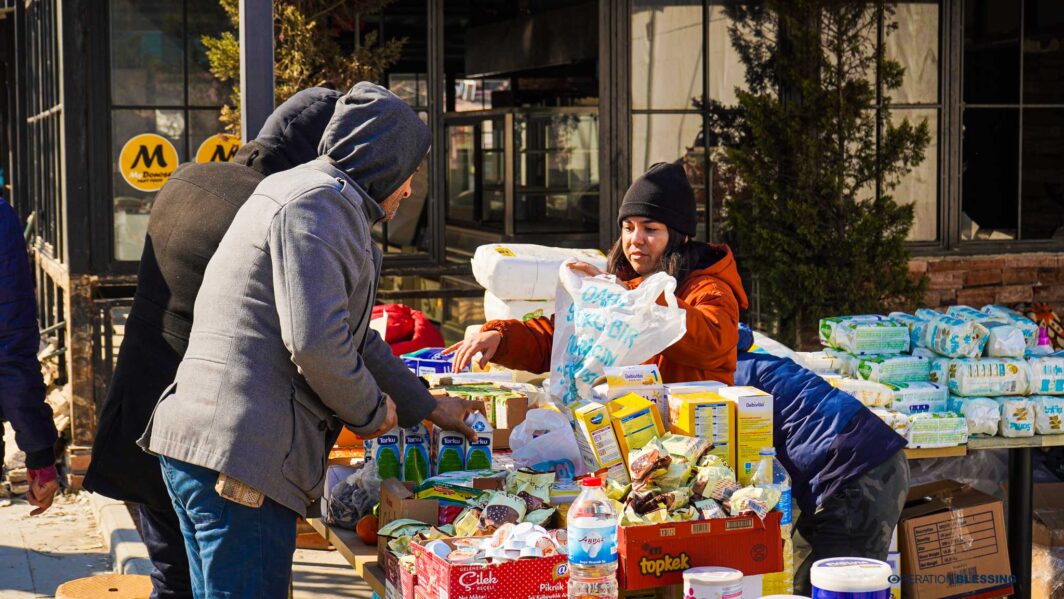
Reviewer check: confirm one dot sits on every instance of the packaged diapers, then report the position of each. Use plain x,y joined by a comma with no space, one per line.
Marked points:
917,328
515,271
893,369
821,362
965,313
1026,325
987,377
914,398
1047,375
982,415
895,420
936,430
956,338
1048,414
1004,340
1017,417
865,334
871,394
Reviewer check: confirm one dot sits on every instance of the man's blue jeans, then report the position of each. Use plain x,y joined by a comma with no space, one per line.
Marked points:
233,550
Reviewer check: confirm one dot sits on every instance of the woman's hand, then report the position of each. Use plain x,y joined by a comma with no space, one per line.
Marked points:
588,270
486,343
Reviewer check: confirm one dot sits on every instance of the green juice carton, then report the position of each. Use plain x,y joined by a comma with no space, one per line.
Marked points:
450,450
478,453
416,448
385,454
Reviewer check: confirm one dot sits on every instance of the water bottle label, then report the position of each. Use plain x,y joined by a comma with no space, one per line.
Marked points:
592,545
785,508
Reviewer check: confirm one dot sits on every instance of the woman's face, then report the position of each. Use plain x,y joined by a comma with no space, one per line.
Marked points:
644,241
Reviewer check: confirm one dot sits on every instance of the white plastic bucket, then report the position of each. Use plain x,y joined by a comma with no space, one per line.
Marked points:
712,583
850,578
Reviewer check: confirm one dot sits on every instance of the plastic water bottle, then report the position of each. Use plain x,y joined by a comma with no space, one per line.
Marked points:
592,544
771,474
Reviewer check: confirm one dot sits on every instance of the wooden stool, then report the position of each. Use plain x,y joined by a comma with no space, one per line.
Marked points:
106,586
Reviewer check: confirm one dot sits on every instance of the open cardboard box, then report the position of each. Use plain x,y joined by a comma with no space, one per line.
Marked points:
952,541
542,578
1047,564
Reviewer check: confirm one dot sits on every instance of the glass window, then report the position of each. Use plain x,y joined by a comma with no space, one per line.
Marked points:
1042,198
915,46
475,94
662,138
1043,52
461,174
920,186
667,54
991,51
557,173
990,171
147,53
726,70
205,18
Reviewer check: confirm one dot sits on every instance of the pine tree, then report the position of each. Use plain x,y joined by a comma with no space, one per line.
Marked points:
804,165
307,49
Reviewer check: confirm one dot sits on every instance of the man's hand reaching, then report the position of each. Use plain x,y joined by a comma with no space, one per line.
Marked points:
451,412
390,419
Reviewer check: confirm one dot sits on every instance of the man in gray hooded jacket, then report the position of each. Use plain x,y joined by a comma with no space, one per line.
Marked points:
275,365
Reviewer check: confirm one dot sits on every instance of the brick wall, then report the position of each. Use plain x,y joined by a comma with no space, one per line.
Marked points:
999,279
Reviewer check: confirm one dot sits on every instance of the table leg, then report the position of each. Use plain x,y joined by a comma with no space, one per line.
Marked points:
1019,518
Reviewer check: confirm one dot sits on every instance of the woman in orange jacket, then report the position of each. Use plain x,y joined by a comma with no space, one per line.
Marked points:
657,220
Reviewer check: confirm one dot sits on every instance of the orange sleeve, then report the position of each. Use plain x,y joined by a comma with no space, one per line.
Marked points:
525,345
712,326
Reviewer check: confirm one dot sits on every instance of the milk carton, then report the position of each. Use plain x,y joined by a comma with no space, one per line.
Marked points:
478,453
450,450
707,416
753,427
598,441
386,453
416,453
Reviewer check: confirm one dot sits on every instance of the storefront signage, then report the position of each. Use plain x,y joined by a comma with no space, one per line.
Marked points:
147,161
218,148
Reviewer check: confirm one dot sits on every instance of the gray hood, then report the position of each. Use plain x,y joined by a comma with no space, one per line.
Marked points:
376,138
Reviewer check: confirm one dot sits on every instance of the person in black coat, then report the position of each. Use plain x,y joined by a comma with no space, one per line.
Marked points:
21,384
189,216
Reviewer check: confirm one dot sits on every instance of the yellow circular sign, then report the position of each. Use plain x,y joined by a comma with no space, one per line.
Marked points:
147,161
218,148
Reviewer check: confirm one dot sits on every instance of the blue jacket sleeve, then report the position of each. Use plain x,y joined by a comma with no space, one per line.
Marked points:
21,384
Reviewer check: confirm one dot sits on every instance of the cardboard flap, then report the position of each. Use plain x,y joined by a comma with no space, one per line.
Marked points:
1049,496
397,502
940,496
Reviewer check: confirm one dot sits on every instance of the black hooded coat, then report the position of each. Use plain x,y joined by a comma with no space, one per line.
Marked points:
190,215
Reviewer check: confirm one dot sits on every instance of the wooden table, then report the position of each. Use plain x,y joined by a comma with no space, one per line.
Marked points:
1021,483
362,557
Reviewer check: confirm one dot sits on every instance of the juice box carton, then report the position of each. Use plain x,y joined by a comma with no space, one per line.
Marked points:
416,453
706,416
753,427
636,421
386,453
598,441
450,450
643,379
478,453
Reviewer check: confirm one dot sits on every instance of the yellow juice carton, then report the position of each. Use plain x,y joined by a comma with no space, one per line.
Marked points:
636,421
706,416
598,441
753,427
644,380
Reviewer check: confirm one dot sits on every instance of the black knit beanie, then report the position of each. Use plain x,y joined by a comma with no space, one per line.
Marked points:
662,194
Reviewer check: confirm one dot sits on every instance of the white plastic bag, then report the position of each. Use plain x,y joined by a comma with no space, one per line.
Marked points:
982,414
1005,340
516,271
1026,325
1048,414
545,442
601,323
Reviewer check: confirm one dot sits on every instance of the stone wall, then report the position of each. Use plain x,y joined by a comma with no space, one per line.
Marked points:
997,279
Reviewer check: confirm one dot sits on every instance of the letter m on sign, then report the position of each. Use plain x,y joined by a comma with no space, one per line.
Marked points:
221,155
156,155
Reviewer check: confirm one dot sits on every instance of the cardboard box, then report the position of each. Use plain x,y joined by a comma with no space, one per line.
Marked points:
656,555
398,502
430,360
1047,563
706,416
407,584
952,542
393,583
598,441
543,578
636,421
643,379
753,427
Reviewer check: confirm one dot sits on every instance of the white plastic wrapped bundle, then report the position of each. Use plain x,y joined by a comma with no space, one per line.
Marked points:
1047,375
919,406
939,372
895,420
829,325
927,314
912,394
872,395
965,313
937,430
1048,414
871,337
524,271
956,338
496,308
1004,340
988,377
982,415
893,369
1027,326
820,362
917,328
1017,417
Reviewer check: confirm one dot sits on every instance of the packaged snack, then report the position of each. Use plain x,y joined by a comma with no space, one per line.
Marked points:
982,415
956,338
645,462
760,500
416,445
1017,417
689,449
531,486
1047,375
709,509
478,453
708,477
677,475
1027,326
541,516
988,377
468,523
894,369
501,509
1048,414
